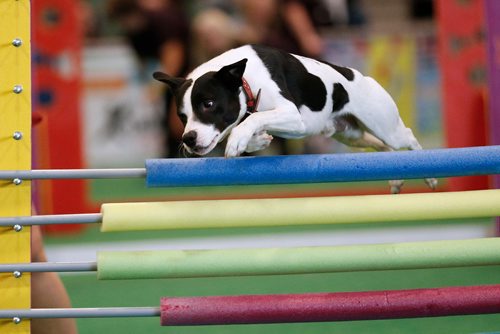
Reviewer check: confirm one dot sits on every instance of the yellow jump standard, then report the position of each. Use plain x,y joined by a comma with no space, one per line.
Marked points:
15,154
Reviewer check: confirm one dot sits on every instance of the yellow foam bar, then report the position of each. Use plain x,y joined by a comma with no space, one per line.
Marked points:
299,211
15,116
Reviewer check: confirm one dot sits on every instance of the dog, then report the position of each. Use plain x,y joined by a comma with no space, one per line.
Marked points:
252,93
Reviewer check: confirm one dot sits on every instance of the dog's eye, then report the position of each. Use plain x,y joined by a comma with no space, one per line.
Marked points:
208,104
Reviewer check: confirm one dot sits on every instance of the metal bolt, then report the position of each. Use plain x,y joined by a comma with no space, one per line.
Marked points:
17,135
18,228
17,274
17,42
18,89
17,181
16,320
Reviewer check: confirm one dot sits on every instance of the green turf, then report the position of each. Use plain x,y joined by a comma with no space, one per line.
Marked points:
132,189
86,291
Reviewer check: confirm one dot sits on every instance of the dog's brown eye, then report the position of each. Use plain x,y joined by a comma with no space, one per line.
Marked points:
208,104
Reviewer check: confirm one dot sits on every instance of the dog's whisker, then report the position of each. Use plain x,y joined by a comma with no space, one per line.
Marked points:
180,150
183,151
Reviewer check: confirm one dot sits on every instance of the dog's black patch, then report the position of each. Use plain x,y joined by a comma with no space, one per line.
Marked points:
177,88
294,81
345,71
179,96
340,97
214,102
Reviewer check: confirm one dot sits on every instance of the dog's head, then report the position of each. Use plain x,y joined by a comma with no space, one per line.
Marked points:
210,106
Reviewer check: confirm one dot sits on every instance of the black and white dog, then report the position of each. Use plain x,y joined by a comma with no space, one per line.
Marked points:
295,97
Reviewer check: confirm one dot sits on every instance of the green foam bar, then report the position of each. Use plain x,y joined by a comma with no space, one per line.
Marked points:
283,261
299,211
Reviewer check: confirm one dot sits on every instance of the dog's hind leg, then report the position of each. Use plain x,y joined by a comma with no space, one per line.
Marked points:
382,120
350,133
369,140
402,138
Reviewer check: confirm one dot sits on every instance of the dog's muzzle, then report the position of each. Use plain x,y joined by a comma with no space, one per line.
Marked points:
192,145
189,139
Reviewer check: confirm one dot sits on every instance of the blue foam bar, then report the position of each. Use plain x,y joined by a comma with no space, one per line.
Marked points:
323,167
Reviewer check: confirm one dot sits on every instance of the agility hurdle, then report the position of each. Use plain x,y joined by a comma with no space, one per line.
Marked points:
340,306
271,308
250,309
279,212
217,263
279,261
293,308
126,265
294,169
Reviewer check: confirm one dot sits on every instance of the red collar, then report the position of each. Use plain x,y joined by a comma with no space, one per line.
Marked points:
252,102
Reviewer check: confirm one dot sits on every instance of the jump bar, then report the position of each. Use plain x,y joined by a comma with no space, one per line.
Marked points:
324,167
293,308
45,174
279,212
105,312
297,260
322,307
39,267
81,218
293,169
299,211
278,261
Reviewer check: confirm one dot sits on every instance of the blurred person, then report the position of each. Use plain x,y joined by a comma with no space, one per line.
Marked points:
47,291
222,25
303,21
158,31
301,26
261,17
214,31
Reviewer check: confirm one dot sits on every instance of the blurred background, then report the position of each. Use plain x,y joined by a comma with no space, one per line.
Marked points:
100,108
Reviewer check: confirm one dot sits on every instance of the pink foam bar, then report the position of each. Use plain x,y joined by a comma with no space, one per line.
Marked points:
338,306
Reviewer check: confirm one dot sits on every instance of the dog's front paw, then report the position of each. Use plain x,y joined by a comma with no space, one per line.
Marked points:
238,141
259,141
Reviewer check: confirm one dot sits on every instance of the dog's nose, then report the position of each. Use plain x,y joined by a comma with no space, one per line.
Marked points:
189,138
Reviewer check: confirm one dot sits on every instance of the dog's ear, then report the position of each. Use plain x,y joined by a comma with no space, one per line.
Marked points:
173,82
232,74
